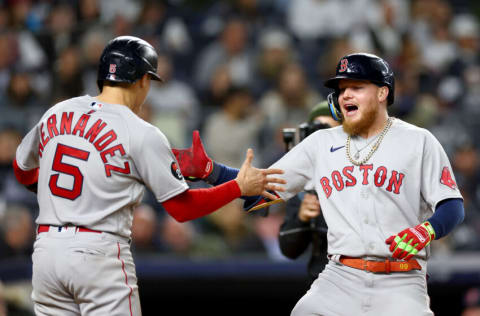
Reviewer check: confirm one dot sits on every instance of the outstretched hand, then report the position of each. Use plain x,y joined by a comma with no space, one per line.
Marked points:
194,161
253,181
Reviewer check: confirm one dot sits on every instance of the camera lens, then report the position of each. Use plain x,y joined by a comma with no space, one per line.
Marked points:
288,135
303,130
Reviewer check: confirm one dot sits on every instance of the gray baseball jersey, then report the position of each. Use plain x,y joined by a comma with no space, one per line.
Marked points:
95,160
397,188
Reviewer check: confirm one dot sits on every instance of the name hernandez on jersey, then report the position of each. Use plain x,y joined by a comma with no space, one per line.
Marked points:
94,135
94,164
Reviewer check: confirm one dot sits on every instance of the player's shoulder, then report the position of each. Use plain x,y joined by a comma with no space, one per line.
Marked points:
65,105
324,138
332,132
139,127
134,121
409,129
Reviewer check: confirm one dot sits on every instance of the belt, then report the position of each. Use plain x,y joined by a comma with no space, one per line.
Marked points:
385,266
46,228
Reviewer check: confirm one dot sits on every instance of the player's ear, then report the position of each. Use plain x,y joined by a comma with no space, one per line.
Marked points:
144,81
382,93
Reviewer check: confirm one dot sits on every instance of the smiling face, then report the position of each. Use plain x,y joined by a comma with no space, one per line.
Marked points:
361,103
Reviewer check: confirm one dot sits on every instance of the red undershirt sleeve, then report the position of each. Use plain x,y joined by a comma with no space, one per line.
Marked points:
196,203
25,177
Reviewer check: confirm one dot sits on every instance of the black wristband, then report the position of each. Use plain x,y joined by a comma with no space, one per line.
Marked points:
215,174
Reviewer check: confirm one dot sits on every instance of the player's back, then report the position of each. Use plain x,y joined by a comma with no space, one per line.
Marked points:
87,172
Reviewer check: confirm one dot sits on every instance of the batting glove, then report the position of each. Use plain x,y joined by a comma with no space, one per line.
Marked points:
194,161
410,241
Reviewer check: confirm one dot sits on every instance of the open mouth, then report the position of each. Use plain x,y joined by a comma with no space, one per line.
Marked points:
351,109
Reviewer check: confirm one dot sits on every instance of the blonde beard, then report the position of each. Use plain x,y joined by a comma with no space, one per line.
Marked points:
362,125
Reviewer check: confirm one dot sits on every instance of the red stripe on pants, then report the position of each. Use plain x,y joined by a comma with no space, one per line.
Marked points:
126,280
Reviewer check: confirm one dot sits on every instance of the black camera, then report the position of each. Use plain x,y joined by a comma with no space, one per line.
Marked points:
290,134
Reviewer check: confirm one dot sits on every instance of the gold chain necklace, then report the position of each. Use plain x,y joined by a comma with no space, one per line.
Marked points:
374,147
357,154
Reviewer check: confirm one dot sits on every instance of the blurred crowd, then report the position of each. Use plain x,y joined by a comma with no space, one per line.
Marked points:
239,71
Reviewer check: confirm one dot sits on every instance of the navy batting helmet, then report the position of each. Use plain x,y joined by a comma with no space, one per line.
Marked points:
360,66
127,59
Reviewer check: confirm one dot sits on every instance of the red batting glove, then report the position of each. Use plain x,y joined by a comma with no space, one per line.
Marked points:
410,241
194,162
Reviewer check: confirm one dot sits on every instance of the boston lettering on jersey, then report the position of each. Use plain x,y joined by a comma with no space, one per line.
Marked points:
55,127
340,180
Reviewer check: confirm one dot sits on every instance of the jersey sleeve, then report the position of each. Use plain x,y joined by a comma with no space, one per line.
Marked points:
437,179
157,165
27,152
298,167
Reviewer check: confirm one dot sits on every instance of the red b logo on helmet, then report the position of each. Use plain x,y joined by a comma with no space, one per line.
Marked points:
343,65
112,69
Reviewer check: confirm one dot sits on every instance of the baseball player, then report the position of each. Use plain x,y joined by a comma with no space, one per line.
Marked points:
386,190
89,159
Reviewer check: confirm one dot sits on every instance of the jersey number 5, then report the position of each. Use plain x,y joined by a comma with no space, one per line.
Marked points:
71,170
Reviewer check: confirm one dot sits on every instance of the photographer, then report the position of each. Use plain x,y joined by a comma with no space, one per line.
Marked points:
304,223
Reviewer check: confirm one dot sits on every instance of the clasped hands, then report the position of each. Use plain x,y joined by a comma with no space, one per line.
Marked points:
195,165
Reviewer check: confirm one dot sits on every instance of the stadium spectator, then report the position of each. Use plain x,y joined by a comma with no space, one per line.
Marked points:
175,105
17,233
471,302
230,48
233,128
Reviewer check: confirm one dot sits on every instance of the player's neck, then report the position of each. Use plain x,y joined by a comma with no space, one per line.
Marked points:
377,126
117,95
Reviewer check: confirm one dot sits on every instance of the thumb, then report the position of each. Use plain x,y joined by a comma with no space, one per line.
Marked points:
195,136
249,157
196,141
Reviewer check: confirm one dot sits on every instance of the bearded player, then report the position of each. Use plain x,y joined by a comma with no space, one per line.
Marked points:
386,190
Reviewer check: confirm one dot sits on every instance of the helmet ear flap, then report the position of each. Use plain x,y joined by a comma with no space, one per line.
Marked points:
334,107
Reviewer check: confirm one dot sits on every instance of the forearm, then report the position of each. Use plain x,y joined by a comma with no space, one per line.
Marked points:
295,235
196,203
294,241
29,178
448,214
25,177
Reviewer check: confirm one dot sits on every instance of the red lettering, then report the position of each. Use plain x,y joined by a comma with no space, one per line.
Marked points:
326,186
125,170
380,176
107,138
52,126
42,136
347,172
111,151
365,169
40,149
81,124
337,180
395,181
66,123
94,130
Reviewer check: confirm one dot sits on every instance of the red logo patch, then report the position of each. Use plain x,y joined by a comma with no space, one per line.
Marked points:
343,65
112,69
447,179
176,171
